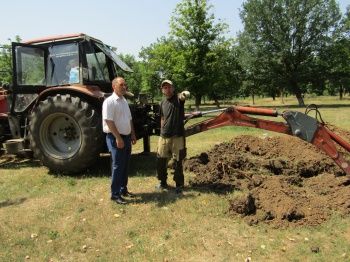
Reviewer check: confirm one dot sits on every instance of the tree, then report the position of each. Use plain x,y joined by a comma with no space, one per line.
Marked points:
336,57
195,35
5,64
134,79
161,60
286,37
6,61
225,78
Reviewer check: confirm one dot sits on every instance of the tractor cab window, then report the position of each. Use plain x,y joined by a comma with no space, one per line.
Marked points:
102,63
63,64
97,65
29,72
30,66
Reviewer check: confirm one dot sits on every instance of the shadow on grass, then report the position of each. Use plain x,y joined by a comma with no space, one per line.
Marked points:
142,164
161,198
12,202
15,162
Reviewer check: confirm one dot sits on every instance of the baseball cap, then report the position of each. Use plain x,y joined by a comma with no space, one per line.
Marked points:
166,81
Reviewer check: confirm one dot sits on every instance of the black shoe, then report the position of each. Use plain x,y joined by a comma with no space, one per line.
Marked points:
178,190
128,194
118,199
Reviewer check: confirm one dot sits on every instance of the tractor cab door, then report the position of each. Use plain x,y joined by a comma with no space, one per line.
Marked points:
29,75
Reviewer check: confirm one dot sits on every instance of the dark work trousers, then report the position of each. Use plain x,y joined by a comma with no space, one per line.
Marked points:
162,164
120,162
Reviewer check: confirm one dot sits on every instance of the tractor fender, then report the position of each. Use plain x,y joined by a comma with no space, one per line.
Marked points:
92,94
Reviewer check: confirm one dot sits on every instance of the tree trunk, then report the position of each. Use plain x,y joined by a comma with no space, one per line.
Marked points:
198,99
341,91
298,94
253,97
217,103
300,99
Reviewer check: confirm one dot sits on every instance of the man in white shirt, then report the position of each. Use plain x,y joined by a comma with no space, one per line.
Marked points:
117,124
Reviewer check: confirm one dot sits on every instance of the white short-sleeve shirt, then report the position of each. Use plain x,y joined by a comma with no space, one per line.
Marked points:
116,108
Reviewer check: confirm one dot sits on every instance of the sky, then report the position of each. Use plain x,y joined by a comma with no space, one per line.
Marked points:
127,25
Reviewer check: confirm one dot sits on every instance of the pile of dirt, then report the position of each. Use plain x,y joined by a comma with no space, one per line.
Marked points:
284,180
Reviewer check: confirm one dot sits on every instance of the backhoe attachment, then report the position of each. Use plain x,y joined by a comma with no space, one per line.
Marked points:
297,124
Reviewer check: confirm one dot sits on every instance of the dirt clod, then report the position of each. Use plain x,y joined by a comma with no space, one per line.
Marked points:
315,249
244,205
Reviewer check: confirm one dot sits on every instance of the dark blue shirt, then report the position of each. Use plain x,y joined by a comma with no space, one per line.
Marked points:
173,113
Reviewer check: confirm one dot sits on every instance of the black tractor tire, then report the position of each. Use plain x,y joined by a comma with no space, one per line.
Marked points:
65,133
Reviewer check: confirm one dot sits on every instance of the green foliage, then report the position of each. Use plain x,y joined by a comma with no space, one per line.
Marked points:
160,60
6,61
53,234
282,39
225,76
196,35
195,55
335,59
133,79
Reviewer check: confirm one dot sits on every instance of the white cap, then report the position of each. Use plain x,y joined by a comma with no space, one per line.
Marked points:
166,81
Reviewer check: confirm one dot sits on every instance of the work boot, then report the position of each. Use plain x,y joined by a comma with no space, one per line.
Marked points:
178,174
118,199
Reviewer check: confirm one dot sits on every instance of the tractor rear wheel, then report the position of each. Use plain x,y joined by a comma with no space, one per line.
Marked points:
65,133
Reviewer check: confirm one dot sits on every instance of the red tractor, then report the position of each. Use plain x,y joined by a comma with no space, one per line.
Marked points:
54,104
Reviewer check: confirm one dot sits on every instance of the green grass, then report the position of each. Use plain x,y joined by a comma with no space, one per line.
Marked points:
50,217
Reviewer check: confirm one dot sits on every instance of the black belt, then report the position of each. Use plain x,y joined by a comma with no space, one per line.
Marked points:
123,136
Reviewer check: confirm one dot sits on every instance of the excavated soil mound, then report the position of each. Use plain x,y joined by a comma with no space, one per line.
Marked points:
284,180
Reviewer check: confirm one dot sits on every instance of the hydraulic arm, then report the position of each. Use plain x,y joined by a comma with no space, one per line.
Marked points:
297,124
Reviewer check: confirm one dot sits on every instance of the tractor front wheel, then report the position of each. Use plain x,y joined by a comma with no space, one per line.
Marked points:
65,133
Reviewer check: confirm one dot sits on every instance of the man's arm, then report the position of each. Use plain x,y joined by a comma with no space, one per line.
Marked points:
118,139
133,135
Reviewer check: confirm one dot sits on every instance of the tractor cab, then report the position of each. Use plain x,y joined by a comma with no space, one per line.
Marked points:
61,61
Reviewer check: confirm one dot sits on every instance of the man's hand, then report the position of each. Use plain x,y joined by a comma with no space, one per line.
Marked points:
120,142
133,138
184,95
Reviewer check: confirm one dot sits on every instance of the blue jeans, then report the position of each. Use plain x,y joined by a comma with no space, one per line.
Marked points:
120,163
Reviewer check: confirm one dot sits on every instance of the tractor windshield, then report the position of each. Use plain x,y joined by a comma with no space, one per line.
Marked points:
63,64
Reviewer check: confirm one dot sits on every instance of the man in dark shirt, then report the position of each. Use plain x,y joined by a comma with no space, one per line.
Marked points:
171,142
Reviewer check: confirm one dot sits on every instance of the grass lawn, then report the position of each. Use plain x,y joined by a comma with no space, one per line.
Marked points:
48,217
